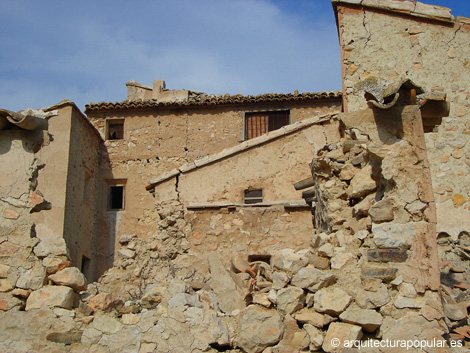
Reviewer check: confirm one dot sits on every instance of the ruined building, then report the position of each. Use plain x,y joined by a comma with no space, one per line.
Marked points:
270,223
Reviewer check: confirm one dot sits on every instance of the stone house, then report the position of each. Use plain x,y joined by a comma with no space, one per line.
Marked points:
96,169
159,181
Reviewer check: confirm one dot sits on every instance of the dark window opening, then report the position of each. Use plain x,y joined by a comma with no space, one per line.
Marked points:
257,124
86,267
263,258
115,130
253,196
116,197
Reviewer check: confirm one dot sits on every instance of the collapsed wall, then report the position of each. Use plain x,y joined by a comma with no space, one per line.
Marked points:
370,270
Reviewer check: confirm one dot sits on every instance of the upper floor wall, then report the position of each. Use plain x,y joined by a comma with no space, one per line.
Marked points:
198,126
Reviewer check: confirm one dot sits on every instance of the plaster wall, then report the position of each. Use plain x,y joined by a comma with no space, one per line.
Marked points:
273,167
52,180
247,230
158,141
80,226
257,229
435,55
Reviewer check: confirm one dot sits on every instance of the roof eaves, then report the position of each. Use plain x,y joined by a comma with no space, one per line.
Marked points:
211,100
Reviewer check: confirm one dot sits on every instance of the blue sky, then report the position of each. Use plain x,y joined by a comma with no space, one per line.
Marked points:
87,50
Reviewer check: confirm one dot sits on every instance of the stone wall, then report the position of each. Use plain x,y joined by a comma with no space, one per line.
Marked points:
371,272
391,40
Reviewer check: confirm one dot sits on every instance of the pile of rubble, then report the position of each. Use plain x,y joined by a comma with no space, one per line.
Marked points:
288,302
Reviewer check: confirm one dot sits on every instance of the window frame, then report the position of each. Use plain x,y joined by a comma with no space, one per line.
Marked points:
252,199
115,122
116,183
264,112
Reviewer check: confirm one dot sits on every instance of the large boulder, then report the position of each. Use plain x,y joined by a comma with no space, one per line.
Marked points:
259,328
338,333
289,261
224,286
70,277
153,295
33,278
290,299
362,183
53,296
369,320
104,302
312,279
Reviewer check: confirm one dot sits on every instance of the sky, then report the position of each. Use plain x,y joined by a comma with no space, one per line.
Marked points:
86,51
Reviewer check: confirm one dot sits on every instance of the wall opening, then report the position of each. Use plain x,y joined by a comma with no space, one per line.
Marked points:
253,196
116,195
259,123
115,129
86,267
262,258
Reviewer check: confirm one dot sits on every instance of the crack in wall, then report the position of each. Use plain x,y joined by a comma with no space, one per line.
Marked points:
364,24
454,35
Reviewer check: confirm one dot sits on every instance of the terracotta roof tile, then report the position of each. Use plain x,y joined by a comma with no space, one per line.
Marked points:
208,100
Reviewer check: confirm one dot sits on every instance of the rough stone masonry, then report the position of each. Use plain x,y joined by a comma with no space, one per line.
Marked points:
374,270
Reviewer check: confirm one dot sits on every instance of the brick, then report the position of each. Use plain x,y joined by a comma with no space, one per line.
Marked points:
385,274
387,255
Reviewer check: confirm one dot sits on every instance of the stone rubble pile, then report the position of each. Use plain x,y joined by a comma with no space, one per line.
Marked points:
293,301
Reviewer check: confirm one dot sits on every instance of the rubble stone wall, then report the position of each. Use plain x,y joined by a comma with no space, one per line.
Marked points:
370,274
392,40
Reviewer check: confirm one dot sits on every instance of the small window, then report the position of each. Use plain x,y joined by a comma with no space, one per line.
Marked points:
116,199
262,258
257,124
253,196
115,129
86,267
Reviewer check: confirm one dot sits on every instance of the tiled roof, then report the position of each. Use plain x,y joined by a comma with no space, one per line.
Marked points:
208,100
23,121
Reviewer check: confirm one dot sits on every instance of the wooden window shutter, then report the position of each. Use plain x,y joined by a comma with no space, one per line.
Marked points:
256,125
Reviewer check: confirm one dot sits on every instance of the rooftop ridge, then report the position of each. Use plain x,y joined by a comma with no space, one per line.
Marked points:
206,99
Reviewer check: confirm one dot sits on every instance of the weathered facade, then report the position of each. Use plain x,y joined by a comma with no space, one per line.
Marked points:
184,205
164,130
395,40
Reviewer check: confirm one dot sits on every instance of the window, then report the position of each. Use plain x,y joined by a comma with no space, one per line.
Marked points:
115,129
253,196
85,268
116,194
263,258
257,124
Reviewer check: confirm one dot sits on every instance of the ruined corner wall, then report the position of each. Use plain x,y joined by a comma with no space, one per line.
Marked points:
28,247
397,40
375,205
81,226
